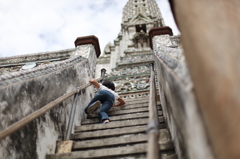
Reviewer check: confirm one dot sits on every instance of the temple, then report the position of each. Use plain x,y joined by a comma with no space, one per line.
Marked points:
181,91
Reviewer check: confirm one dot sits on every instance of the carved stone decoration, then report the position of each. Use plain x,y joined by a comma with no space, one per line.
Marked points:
135,58
132,84
131,70
36,57
136,51
140,19
107,49
148,7
82,50
176,40
135,95
140,39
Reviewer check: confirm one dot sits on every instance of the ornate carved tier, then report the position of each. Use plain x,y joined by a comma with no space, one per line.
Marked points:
147,7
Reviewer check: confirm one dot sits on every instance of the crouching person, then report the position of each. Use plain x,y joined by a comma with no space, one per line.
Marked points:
106,96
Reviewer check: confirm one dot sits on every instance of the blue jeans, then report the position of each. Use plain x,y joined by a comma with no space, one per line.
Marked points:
107,99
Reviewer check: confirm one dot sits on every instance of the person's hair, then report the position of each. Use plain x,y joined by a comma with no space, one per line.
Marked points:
109,84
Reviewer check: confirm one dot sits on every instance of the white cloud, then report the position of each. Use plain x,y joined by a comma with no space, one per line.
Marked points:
41,25
167,15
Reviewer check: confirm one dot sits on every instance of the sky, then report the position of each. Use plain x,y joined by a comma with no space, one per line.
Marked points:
34,26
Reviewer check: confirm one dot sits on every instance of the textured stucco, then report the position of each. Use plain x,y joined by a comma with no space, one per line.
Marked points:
20,99
178,101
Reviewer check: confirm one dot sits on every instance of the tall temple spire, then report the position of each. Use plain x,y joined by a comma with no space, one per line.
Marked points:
148,8
139,16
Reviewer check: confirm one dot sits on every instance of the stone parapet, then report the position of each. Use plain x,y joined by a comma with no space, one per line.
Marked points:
128,59
172,56
42,56
24,75
74,56
178,101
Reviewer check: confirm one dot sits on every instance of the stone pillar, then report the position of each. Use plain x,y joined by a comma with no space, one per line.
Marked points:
89,40
210,36
89,48
159,31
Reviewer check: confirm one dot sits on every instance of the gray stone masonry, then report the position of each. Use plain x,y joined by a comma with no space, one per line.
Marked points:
27,91
178,101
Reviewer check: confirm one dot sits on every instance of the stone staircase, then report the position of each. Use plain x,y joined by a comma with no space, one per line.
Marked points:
123,138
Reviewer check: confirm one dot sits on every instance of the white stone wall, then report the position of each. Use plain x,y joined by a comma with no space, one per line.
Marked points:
178,101
20,98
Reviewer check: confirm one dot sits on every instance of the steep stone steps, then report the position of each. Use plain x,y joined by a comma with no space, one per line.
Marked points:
164,141
127,114
124,137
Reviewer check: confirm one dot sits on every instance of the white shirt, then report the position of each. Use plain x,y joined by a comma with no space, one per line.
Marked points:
102,87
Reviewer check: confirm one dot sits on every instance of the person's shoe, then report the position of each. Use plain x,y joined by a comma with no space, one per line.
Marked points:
105,121
93,107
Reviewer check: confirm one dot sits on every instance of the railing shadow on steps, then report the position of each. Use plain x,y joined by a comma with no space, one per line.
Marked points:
21,123
153,150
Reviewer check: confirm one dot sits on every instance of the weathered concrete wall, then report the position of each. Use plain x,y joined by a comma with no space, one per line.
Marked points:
178,100
21,98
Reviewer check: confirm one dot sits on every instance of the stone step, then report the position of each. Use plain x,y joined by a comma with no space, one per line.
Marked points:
124,117
136,100
121,112
129,106
111,132
103,153
143,156
169,156
168,146
164,141
113,124
116,124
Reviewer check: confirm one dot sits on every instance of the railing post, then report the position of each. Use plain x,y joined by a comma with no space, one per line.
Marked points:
153,148
103,72
71,118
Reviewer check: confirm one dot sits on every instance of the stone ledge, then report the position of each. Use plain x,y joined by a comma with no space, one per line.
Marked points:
22,75
35,57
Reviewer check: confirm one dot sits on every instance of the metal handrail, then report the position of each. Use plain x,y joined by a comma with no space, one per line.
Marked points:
153,151
73,110
14,127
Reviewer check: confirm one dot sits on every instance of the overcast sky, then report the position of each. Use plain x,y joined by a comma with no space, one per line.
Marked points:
33,26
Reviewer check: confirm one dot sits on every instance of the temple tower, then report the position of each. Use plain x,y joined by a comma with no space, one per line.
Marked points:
139,16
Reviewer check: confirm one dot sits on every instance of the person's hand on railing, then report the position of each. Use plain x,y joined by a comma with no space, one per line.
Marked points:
94,82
